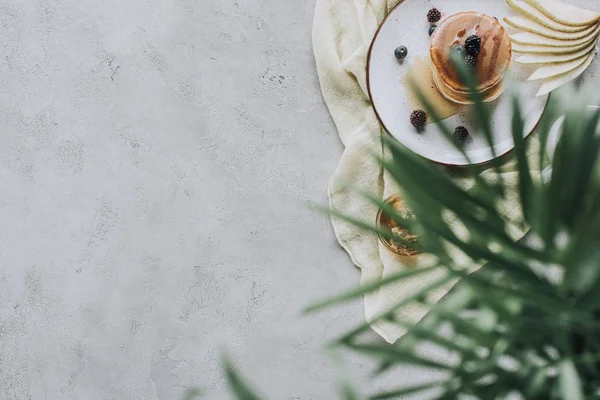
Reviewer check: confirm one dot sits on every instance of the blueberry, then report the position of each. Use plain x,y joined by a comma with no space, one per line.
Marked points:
459,50
431,29
401,52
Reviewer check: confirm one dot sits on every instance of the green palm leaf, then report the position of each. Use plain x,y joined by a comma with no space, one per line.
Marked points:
237,384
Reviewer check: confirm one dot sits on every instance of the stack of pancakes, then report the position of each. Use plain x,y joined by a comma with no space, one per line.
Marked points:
493,59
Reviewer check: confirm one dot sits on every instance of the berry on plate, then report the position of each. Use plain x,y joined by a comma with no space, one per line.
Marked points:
418,119
434,15
461,133
401,52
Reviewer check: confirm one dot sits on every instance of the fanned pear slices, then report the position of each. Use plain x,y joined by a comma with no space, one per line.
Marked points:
533,49
530,26
559,80
531,13
550,70
532,39
563,13
560,36
554,58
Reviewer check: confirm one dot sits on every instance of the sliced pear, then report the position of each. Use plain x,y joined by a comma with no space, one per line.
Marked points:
527,25
551,70
554,58
532,49
565,14
559,80
528,11
526,38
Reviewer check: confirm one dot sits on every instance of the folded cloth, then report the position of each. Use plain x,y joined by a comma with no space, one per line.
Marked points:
342,34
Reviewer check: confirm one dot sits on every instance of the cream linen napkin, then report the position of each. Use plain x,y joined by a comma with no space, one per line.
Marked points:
342,34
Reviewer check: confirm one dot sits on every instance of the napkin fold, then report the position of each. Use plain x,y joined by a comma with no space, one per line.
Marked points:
342,33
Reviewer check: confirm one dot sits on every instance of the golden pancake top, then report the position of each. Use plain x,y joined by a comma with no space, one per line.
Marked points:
493,58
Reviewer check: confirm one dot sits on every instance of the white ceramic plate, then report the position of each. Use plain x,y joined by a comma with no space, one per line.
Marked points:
555,131
407,25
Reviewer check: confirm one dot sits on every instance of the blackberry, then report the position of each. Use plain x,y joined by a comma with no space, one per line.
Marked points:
434,15
418,119
461,133
431,29
401,52
473,45
470,60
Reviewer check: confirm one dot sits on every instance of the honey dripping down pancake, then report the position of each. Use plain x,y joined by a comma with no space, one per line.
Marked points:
493,59
460,97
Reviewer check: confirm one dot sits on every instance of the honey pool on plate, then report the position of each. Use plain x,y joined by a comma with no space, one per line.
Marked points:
419,71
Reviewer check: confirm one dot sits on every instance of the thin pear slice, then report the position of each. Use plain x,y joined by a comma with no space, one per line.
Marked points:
565,14
527,11
551,70
526,38
559,80
527,25
519,48
554,58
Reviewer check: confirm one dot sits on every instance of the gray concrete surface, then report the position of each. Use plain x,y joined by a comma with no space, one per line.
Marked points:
155,158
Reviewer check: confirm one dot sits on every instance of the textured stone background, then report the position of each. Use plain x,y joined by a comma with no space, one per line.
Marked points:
155,161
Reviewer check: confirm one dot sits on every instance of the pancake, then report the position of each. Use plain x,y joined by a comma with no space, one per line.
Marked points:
462,97
492,61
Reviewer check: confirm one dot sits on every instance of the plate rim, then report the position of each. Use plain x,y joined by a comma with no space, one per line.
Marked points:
555,133
387,132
